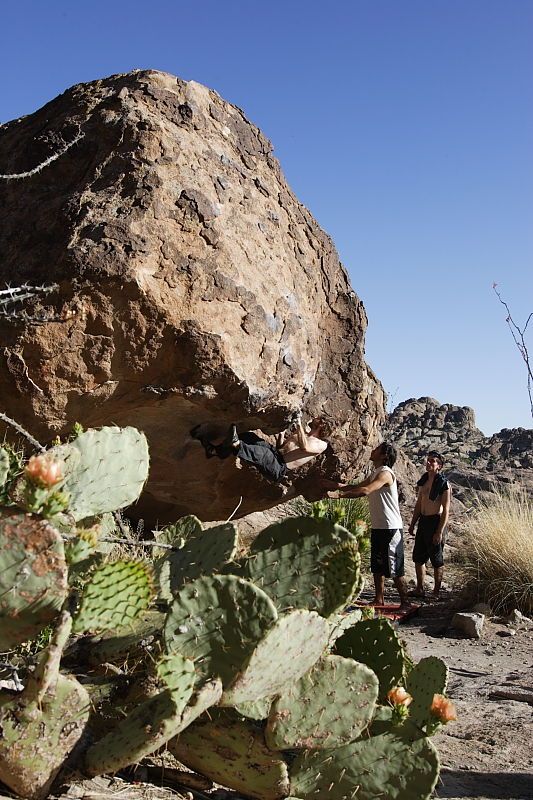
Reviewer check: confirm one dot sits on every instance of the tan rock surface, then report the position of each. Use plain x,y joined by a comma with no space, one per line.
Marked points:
193,287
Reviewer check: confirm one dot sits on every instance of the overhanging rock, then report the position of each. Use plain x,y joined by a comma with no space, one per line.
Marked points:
192,287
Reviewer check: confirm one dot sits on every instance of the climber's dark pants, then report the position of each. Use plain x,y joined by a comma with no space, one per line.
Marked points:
261,455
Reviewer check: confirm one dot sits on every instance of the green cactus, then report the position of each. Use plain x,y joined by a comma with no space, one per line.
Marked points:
33,577
4,465
153,723
255,709
217,621
292,645
114,596
104,470
391,765
119,646
375,643
178,533
340,623
42,724
290,561
341,576
428,677
233,753
328,707
201,553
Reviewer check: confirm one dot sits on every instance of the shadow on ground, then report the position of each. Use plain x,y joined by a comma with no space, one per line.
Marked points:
486,785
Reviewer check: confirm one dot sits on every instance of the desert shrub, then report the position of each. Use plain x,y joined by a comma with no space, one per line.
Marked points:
499,550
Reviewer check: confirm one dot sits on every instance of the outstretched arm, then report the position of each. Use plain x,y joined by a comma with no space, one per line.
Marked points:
364,488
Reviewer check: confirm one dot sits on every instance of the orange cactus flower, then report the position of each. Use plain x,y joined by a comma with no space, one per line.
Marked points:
44,470
399,697
443,709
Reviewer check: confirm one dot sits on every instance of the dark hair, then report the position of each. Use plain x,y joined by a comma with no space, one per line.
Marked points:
325,426
434,454
390,454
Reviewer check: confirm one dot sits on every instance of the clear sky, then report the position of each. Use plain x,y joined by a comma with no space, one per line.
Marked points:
405,126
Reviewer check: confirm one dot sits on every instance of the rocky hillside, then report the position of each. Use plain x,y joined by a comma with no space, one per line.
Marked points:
474,462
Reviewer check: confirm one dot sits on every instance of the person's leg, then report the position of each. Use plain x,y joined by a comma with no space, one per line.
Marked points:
401,587
379,589
438,573
419,590
420,556
397,565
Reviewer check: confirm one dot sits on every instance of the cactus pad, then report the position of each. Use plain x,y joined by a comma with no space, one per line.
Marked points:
340,623
255,709
114,596
201,553
153,723
33,577
341,576
104,470
289,561
390,765
217,621
284,654
36,739
328,707
178,533
4,465
375,643
233,753
427,678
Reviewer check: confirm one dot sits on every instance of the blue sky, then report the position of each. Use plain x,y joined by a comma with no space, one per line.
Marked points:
405,126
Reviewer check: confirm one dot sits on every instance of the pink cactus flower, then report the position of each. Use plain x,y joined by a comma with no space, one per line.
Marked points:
443,709
398,696
44,470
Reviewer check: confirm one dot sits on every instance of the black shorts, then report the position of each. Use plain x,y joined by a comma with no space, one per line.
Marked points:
424,549
386,552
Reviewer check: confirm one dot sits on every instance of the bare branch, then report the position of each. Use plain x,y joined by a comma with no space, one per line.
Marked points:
519,339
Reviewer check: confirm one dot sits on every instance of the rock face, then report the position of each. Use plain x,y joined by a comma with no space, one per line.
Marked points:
192,287
473,462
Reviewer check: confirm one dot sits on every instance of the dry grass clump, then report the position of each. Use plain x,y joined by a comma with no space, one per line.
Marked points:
499,550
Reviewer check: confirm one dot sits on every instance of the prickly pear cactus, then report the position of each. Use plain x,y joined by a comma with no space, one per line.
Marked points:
427,678
36,739
122,645
4,465
153,723
33,577
201,553
375,643
391,765
217,621
328,707
292,645
255,709
290,562
234,754
340,623
114,596
341,576
178,533
104,470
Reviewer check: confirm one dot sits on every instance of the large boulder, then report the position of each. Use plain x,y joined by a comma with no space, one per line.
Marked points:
191,287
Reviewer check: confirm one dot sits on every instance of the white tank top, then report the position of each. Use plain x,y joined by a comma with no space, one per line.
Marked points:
384,505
